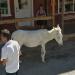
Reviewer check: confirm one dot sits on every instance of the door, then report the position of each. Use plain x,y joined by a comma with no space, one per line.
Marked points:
36,4
23,9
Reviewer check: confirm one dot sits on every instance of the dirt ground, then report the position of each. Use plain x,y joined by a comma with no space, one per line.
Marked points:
60,60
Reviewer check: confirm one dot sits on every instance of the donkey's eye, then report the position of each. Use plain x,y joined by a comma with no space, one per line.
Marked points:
57,33
58,37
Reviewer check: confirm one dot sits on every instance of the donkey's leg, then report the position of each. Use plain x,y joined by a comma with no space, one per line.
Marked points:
43,52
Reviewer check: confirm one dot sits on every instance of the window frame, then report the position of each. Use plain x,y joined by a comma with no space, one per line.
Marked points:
66,12
8,7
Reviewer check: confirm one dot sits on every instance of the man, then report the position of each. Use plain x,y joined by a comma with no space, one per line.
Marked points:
10,53
41,12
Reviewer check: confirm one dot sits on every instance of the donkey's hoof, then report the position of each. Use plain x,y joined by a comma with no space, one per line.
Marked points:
44,62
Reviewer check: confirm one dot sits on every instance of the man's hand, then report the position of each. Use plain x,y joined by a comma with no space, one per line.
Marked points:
3,62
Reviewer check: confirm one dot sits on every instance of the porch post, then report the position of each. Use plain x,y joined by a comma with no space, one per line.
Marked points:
53,11
62,16
0,13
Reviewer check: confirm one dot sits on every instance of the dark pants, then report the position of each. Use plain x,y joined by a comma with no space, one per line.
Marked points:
42,22
16,73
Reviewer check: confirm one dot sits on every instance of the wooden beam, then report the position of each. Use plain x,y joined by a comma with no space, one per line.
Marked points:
17,20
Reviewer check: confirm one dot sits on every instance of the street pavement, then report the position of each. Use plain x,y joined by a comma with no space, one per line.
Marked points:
59,60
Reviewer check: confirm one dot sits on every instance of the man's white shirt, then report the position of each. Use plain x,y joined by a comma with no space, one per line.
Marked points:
10,51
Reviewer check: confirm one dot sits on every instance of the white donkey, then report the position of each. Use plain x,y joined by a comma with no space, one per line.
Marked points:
34,38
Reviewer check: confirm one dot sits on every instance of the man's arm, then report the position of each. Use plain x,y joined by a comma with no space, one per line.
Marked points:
4,54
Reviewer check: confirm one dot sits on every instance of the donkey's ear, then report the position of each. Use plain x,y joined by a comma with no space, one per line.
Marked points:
58,26
53,27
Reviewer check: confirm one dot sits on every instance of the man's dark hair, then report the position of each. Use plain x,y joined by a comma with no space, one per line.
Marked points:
6,33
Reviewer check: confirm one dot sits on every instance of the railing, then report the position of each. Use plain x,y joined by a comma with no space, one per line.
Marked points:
68,17
17,20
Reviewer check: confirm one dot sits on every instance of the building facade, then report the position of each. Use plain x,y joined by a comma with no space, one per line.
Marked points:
10,9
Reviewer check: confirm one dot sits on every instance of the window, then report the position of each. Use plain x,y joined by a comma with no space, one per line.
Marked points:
4,8
69,6
22,3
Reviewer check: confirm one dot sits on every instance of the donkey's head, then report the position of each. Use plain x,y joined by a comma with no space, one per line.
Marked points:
58,35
